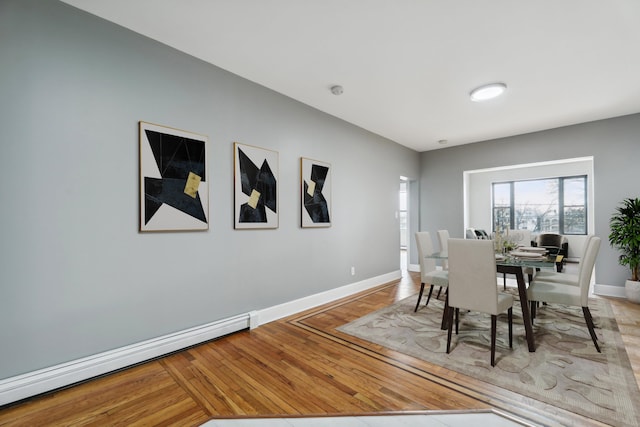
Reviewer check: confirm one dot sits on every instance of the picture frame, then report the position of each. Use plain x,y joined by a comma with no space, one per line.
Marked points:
315,193
256,178
174,188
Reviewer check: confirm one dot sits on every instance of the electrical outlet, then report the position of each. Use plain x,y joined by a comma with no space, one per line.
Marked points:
353,271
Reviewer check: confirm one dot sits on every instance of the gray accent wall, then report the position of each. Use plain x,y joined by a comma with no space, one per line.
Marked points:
76,276
613,143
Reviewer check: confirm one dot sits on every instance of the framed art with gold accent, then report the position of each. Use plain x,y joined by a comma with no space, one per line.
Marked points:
315,197
255,187
174,191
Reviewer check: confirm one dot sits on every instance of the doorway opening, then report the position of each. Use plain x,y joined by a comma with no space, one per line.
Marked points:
403,220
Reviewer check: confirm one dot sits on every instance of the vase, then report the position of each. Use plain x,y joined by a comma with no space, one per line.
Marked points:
632,290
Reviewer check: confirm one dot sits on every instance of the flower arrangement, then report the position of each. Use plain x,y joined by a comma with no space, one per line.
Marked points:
503,243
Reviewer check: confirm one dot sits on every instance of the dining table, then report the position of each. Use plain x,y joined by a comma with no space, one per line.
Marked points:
514,263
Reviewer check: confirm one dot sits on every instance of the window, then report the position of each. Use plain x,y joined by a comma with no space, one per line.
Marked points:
554,205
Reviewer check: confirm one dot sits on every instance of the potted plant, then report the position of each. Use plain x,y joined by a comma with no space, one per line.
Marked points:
625,236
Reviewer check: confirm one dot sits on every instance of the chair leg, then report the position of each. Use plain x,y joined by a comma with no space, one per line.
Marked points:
457,319
510,316
493,339
589,320
429,296
532,309
419,297
445,312
450,321
504,281
438,294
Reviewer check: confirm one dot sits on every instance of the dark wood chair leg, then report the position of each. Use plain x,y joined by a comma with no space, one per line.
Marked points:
592,332
445,312
533,304
510,317
504,281
438,294
457,319
419,297
493,339
429,296
450,321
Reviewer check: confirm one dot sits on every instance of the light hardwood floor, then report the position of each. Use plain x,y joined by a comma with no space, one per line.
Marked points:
297,365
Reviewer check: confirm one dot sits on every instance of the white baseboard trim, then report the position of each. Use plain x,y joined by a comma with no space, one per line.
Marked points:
41,381
609,291
292,307
33,383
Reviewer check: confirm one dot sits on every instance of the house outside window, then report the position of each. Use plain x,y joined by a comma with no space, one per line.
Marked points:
549,205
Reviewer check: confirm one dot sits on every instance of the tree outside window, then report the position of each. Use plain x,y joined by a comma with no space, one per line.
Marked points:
553,205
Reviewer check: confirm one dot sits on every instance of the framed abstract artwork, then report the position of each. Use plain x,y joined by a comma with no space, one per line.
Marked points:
315,195
255,187
174,192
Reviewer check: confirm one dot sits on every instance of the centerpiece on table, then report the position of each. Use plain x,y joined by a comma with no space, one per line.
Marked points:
503,243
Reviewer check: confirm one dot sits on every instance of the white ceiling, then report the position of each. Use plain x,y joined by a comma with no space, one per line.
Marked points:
407,66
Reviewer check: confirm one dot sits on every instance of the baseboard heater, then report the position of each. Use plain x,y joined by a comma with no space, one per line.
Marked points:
45,380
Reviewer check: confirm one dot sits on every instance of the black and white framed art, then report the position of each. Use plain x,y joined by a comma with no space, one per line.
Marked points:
174,192
315,195
255,187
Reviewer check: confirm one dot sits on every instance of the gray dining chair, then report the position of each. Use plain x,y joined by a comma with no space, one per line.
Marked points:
568,293
472,286
429,274
567,278
443,237
520,238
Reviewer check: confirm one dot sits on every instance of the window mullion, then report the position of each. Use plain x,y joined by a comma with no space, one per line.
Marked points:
512,208
561,205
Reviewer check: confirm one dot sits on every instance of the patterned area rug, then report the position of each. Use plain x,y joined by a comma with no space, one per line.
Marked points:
565,371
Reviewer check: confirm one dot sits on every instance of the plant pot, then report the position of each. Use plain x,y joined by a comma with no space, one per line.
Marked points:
632,290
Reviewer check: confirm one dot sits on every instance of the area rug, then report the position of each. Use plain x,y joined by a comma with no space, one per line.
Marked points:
565,371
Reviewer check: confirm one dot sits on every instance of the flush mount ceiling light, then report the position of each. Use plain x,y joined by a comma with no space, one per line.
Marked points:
486,92
442,142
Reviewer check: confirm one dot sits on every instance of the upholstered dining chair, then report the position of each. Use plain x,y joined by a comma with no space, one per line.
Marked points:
472,286
443,237
568,293
429,274
470,233
553,241
474,233
520,238
568,278
557,244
